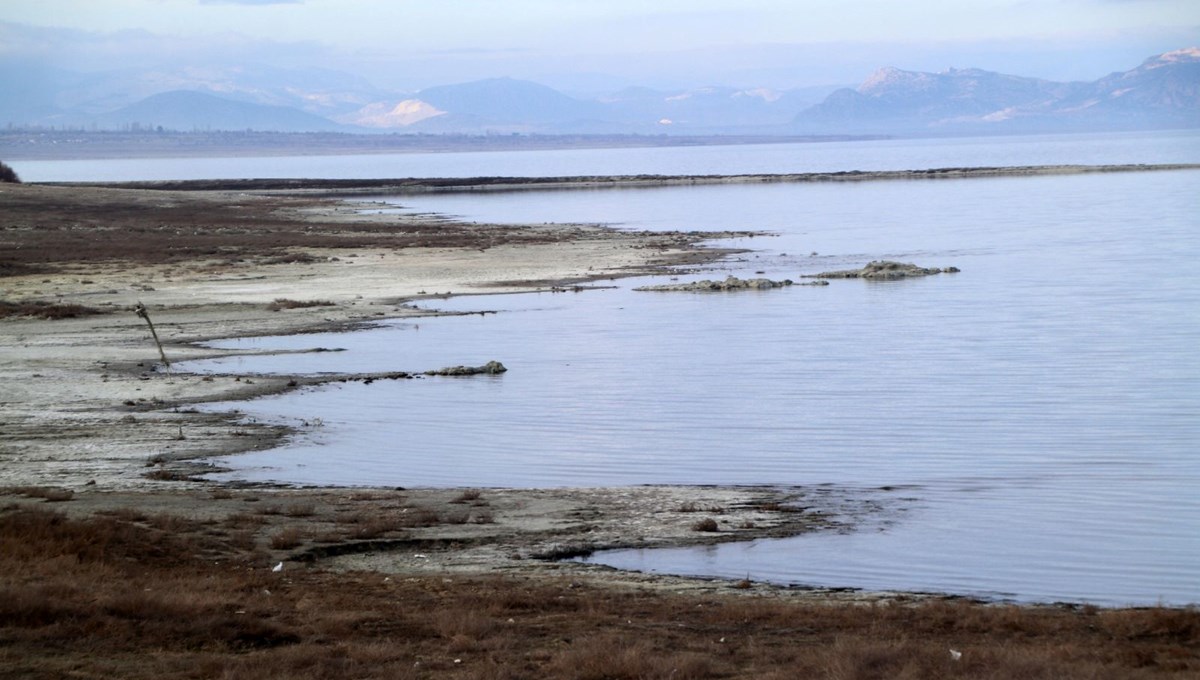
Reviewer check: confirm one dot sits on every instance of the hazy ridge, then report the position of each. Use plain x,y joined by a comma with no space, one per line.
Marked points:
1162,92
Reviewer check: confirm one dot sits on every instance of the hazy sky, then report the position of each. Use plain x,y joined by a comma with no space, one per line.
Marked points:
413,43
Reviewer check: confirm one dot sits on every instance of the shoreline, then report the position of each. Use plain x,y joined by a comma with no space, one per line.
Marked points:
416,186
86,411
91,415
81,384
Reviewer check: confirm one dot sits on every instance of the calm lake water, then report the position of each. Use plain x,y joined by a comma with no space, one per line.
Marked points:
1134,147
1039,411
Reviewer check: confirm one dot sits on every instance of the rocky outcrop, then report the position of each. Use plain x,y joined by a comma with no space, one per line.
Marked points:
490,368
730,283
884,270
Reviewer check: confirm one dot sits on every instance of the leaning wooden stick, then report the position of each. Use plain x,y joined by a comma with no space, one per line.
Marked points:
141,311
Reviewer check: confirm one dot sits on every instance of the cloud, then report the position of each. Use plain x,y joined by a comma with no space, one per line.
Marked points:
91,51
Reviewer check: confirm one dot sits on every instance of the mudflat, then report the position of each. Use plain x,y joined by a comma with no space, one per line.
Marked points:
109,533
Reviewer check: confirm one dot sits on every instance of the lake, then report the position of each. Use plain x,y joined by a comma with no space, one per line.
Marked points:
900,154
1038,413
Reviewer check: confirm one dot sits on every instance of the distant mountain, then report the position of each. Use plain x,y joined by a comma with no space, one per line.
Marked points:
708,108
183,110
508,105
508,100
491,105
1160,93
1163,92
386,115
38,94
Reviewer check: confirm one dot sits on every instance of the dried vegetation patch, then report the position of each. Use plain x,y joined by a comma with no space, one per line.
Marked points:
44,310
141,595
47,227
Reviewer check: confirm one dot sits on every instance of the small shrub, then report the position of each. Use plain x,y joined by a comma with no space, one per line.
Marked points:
707,524
287,539
243,520
457,516
467,496
374,528
9,175
420,517
300,510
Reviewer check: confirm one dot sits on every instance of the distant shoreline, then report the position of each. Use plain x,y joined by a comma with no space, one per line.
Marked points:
55,145
401,186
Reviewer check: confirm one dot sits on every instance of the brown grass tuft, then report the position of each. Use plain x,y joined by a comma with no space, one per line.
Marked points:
468,496
706,524
45,310
285,303
300,510
286,539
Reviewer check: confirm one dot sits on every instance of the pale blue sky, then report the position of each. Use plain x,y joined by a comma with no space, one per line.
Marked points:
408,42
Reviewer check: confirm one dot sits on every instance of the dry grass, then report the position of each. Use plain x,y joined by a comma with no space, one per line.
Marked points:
166,597
50,494
46,228
706,524
468,496
286,539
300,510
285,303
45,310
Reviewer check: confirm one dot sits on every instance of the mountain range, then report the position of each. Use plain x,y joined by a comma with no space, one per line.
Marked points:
1162,92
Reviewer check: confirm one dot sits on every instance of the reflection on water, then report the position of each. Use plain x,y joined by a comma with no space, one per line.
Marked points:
1045,401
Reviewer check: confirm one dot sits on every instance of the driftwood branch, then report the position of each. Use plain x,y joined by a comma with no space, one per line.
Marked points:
140,309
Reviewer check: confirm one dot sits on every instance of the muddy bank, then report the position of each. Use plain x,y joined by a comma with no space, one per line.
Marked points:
496,531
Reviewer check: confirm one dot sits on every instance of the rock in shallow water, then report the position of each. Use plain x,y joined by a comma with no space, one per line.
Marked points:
730,283
883,270
490,368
